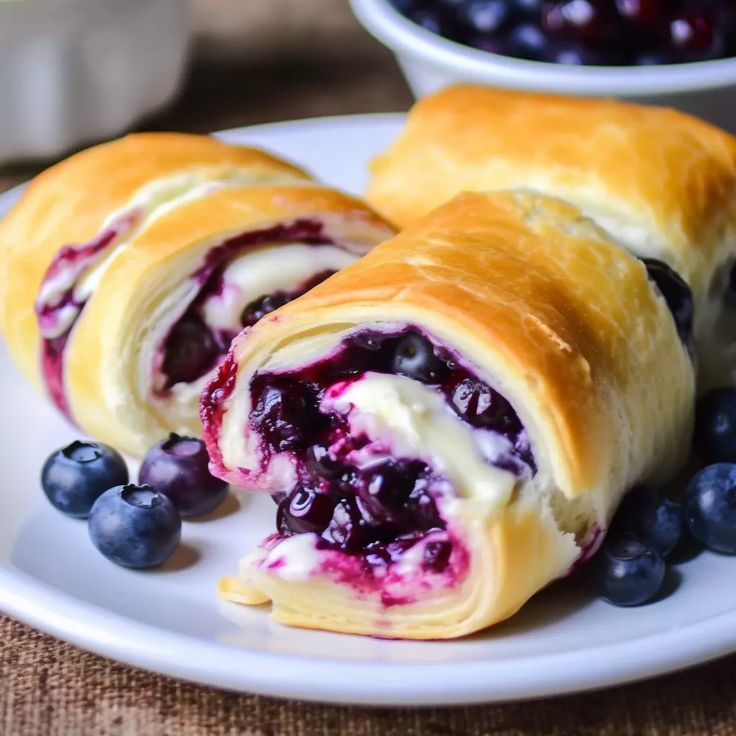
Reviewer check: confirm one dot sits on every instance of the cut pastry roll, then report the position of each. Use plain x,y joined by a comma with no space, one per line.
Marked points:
661,183
128,268
448,424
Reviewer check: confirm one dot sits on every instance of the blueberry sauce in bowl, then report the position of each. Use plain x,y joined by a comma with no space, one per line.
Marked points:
584,32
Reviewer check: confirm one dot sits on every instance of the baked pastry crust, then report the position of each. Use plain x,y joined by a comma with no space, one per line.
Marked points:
551,313
104,372
69,203
660,182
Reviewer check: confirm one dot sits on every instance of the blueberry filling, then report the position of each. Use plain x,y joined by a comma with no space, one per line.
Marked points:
192,348
384,507
678,296
58,307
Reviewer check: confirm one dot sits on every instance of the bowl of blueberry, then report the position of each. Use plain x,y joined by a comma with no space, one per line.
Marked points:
679,53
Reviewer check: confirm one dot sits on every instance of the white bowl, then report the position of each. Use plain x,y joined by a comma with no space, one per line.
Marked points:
430,62
75,71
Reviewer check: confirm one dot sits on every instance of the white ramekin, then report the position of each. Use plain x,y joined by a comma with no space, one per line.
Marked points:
430,62
75,71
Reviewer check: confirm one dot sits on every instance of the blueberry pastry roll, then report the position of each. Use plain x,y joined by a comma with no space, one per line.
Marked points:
661,183
448,424
128,268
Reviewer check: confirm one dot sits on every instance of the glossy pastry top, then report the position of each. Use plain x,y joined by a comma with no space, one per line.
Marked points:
570,325
657,180
70,202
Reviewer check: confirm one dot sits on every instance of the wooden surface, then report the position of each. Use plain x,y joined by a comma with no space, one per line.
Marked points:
251,67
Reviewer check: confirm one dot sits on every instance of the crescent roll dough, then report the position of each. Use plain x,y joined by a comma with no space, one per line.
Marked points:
451,421
661,183
127,269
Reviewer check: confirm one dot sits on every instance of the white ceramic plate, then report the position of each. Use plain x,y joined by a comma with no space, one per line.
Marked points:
171,621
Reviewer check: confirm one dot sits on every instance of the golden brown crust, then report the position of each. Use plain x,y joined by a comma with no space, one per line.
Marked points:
564,323
69,202
529,280
660,181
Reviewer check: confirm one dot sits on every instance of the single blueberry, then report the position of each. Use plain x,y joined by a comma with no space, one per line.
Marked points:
710,507
628,572
385,488
528,41
485,16
676,293
75,476
190,350
479,405
652,517
135,526
415,358
259,308
715,425
304,510
286,413
179,468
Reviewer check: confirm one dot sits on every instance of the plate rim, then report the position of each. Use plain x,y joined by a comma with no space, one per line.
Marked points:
186,657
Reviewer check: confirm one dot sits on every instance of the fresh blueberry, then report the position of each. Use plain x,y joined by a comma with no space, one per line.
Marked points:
479,405
486,16
528,41
642,14
435,20
656,57
74,477
676,293
285,413
386,487
179,468
583,21
577,55
710,507
628,572
652,517
526,7
190,350
415,358
693,35
259,308
135,526
715,425
304,510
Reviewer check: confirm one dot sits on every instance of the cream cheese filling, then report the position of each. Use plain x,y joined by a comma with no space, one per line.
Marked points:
408,419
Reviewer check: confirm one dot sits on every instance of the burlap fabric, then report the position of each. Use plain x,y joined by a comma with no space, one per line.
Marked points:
246,71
